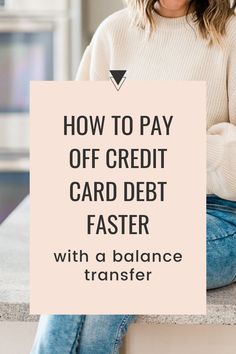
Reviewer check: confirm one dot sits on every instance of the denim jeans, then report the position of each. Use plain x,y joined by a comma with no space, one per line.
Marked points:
221,242
80,334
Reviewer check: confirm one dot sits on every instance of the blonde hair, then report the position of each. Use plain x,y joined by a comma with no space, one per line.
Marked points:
210,15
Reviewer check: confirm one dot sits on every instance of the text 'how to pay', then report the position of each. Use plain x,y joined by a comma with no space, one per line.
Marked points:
122,125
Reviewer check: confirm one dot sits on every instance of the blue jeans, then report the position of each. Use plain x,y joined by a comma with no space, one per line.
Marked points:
79,334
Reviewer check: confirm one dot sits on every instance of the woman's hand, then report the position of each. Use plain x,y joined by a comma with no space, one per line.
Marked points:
221,160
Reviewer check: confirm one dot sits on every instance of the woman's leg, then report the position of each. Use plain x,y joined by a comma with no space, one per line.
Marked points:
64,334
221,242
103,334
58,334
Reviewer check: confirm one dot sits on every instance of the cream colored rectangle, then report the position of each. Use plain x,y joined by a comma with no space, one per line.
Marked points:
177,224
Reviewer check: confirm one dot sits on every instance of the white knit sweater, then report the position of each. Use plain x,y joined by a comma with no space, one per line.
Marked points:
176,51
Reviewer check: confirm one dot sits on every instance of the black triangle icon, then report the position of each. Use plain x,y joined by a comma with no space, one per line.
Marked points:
118,75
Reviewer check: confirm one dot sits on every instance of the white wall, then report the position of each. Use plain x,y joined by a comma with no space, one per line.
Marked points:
97,10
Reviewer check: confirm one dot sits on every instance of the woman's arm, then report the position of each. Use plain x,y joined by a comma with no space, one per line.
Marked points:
94,65
221,162
221,139
83,72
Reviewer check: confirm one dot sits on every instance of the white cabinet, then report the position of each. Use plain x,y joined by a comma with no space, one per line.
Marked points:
37,5
180,339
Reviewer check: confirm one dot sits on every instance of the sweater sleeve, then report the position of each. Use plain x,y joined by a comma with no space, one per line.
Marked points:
221,141
83,72
94,64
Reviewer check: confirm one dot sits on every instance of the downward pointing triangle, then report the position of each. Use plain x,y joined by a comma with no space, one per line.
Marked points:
118,75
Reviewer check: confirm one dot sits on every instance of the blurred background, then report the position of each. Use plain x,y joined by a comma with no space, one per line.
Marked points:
39,40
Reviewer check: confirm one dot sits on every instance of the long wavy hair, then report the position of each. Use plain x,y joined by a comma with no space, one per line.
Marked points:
211,15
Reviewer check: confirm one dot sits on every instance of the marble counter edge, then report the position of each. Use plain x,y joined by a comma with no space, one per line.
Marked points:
216,315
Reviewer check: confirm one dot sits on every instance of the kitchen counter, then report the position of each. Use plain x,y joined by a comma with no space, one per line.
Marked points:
14,281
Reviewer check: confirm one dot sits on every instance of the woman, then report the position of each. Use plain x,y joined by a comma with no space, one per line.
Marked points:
167,40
